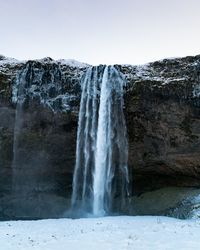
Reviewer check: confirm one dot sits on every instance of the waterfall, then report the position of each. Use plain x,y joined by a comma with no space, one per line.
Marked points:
36,85
86,141
101,172
20,98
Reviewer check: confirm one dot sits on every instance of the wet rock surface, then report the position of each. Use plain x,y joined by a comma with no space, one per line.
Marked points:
179,202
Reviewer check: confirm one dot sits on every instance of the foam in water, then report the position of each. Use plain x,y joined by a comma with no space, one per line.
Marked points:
101,172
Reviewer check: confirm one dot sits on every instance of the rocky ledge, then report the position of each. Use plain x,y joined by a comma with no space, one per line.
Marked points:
162,109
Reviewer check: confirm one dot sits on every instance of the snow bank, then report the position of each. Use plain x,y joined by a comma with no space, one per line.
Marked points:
148,233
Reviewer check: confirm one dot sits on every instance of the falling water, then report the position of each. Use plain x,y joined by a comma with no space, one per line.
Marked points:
101,171
40,83
86,141
20,88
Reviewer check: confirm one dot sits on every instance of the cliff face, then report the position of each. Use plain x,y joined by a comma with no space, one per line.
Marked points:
37,141
162,109
163,119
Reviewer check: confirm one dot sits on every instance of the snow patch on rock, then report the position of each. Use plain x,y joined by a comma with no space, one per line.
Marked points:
7,60
73,63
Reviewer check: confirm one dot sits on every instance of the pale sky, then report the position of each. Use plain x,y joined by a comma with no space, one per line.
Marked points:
100,31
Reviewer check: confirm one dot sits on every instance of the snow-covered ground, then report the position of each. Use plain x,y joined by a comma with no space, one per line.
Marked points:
123,232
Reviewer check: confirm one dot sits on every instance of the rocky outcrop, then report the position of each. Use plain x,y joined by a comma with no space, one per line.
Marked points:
162,109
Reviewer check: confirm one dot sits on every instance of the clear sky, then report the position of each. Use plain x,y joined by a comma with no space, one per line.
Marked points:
100,31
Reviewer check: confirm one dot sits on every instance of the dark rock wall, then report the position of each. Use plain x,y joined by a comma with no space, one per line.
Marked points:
163,119
162,108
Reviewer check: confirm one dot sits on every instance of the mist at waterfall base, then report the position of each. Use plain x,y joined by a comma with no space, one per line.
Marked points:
101,173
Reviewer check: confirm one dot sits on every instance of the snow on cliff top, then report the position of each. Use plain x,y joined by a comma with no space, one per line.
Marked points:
73,63
70,62
7,60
